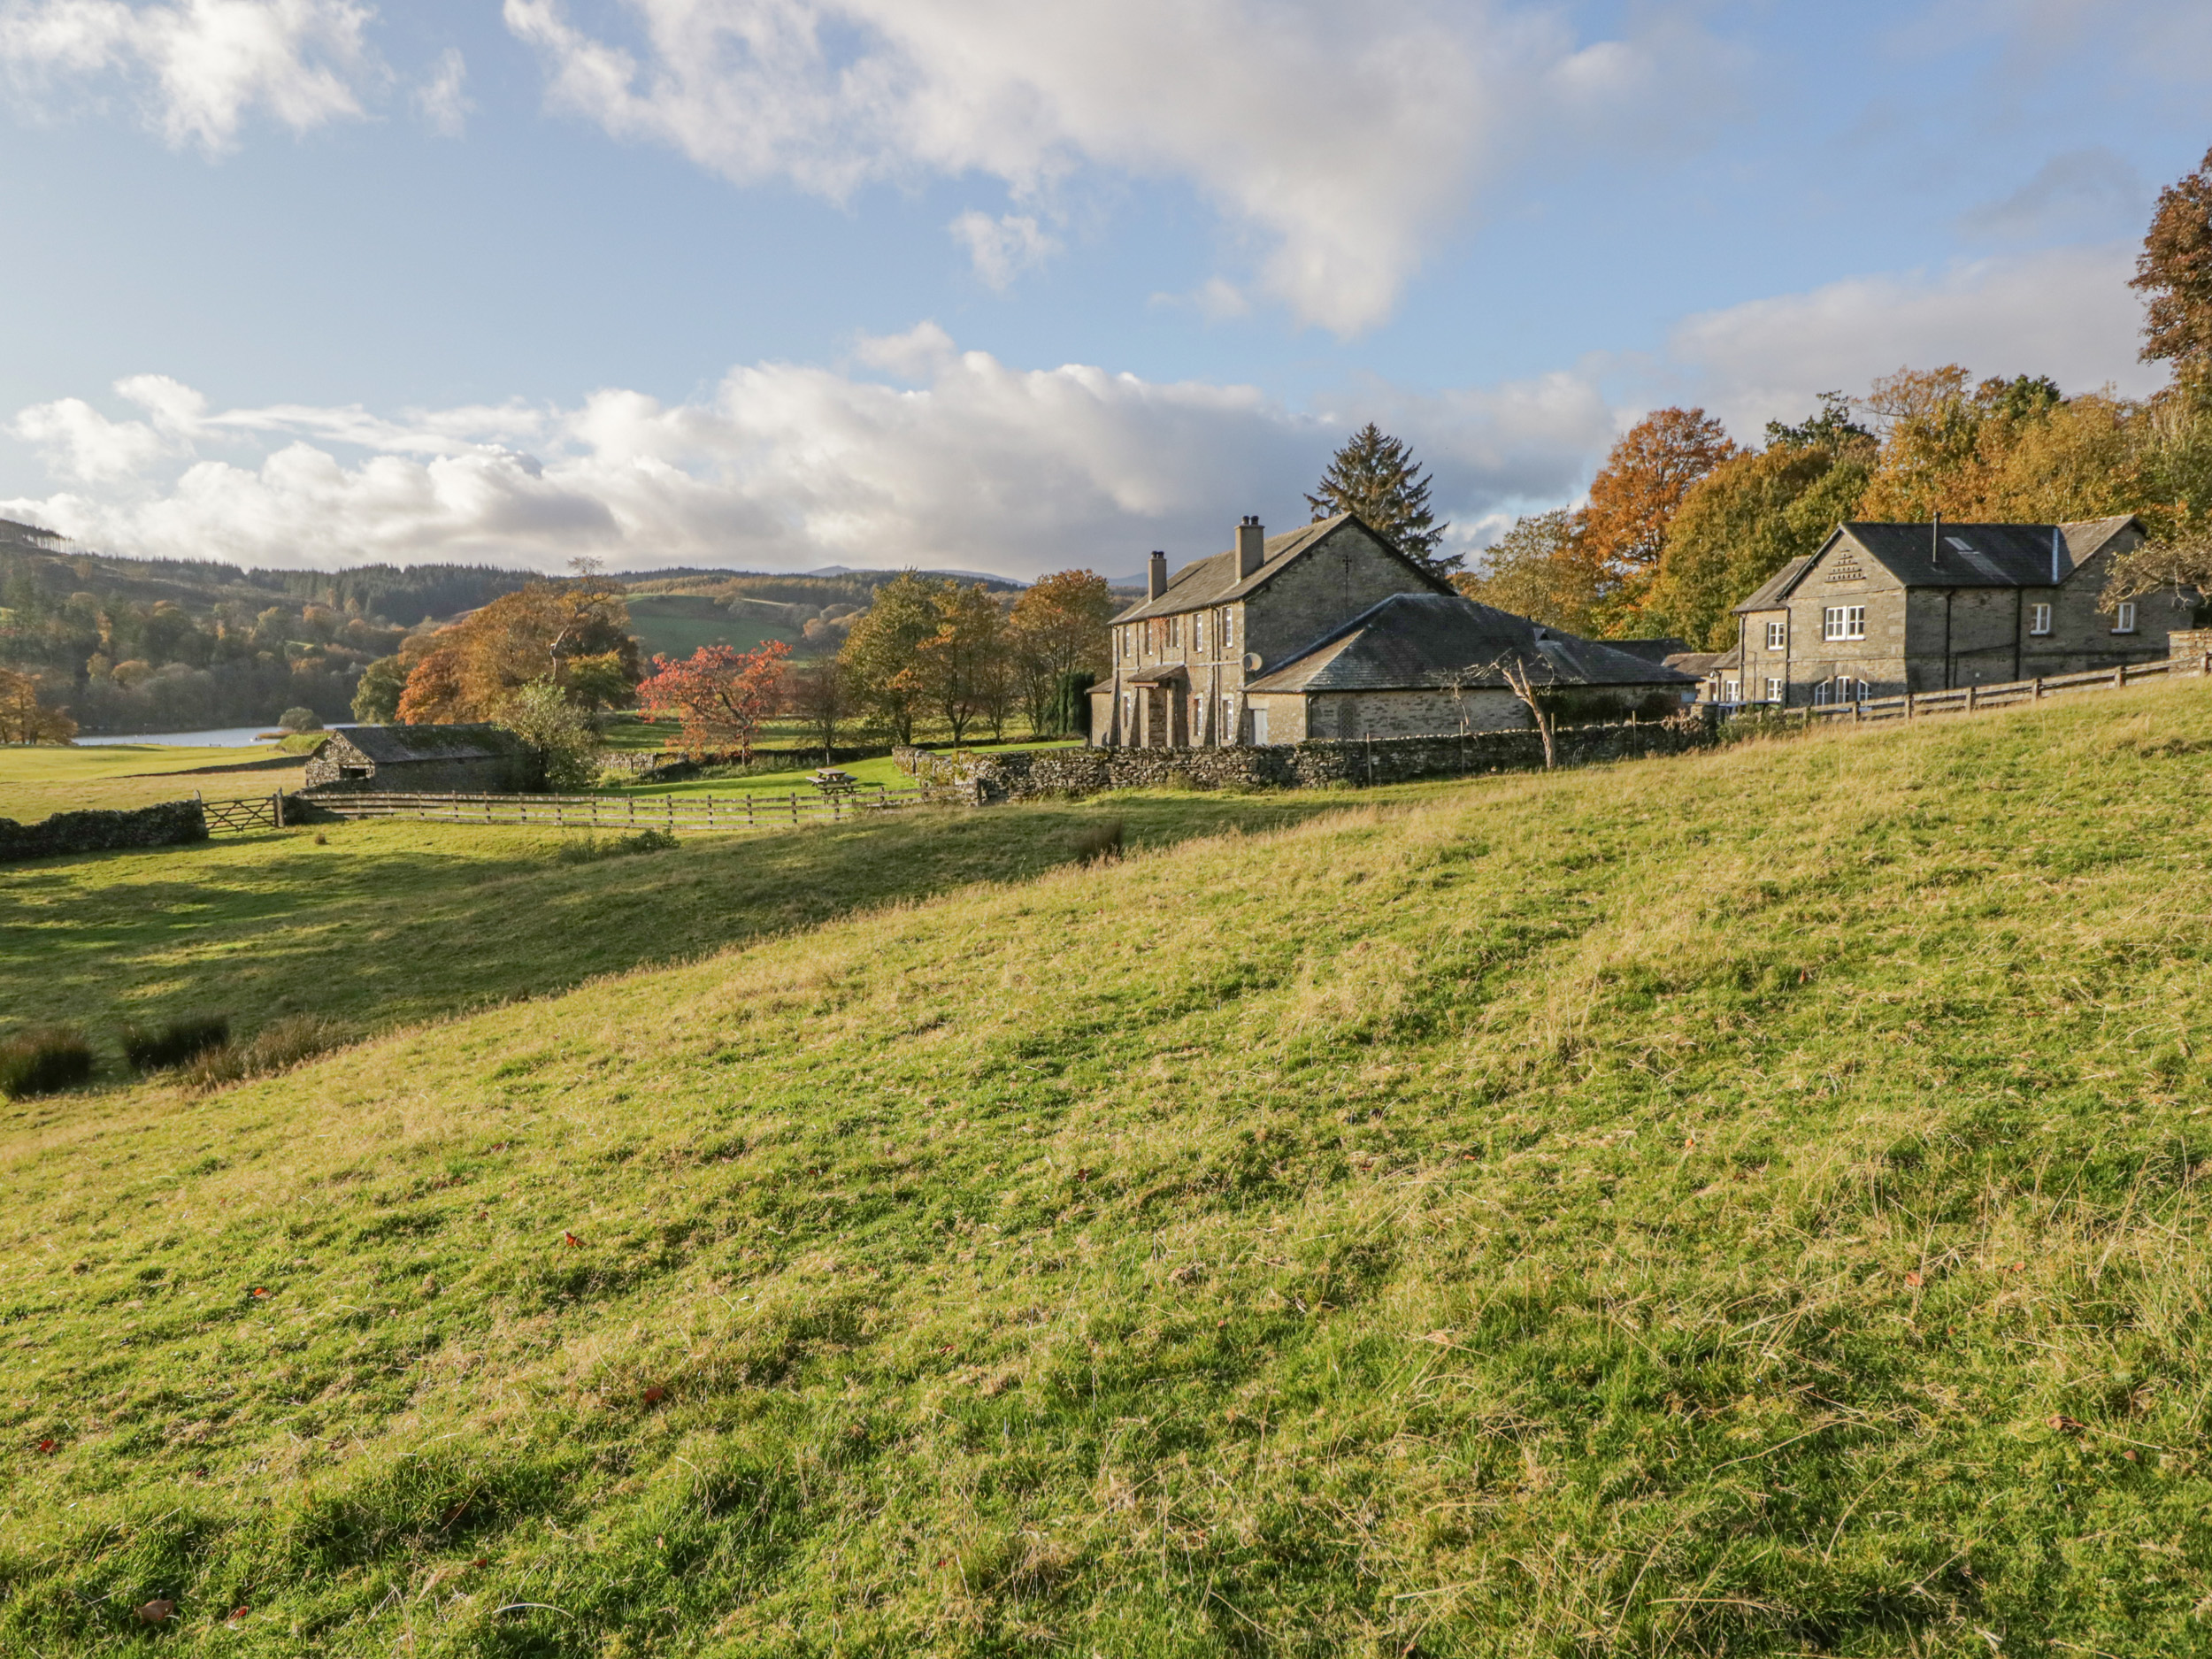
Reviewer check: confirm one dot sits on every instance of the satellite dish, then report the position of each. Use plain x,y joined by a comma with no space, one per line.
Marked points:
1251,662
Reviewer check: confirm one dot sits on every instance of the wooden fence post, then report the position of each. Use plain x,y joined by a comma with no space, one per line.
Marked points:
1969,700
2120,675
2037,696
277,803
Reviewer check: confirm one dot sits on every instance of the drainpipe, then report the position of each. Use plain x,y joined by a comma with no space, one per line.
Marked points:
1950,593
2016,615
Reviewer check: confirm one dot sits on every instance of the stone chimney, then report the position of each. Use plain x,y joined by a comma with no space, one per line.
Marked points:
1157,582
1251,546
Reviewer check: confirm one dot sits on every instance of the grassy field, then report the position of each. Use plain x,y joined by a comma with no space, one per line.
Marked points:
37,781
1745,1205
676,624
384,923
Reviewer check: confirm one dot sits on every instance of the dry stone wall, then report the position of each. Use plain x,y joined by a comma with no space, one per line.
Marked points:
1026,772
172,823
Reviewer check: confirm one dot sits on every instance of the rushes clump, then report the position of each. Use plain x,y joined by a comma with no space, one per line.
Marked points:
279,1047
589,848
1100,844
44,1062
160,1047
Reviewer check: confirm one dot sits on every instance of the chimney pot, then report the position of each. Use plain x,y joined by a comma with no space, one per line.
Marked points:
1251,546
1157,580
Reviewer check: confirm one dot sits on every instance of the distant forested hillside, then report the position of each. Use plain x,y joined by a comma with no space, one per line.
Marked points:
126,644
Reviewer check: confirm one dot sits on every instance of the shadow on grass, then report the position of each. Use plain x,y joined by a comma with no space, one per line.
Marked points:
406,928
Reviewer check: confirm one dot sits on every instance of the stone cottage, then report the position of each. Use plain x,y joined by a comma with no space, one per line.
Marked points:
1330,631
428,759
1884,609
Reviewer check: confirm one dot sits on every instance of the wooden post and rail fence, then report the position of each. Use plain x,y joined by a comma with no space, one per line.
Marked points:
2011,693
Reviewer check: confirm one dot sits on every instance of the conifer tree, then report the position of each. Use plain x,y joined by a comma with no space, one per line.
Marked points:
1376,476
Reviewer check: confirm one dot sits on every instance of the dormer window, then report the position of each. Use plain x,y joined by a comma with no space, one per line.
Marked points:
2124,623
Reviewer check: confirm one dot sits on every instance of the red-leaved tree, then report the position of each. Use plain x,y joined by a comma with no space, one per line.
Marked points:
721,694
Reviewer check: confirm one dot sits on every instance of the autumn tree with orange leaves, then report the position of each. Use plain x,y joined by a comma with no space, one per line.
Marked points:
573,634
1620,535
2174,272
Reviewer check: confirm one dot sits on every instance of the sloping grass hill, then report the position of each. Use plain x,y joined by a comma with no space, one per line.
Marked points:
1741,1205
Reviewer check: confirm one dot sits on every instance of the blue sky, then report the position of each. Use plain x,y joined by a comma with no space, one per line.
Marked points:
778,283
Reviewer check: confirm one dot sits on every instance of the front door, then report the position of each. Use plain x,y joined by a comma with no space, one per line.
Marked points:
1259,725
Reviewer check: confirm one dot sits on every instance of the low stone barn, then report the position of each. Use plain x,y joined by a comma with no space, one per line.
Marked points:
1422,664
428,759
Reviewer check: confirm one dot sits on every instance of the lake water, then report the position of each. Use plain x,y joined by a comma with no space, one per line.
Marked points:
228,737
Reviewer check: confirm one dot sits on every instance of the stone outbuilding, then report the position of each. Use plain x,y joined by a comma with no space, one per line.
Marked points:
1420,664
427,759
1884,609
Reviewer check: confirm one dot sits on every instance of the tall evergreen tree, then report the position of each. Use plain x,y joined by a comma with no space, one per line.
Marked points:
1376,476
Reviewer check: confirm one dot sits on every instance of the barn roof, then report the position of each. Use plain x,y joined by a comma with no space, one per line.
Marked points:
396,745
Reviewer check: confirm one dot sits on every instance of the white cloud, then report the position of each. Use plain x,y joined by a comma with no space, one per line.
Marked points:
1002,248
78,442
974,465
441,100
201,64
1347,143
920,453
2092,185
2066,312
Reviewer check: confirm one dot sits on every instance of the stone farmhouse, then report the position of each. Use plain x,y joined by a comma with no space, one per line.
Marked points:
428,759
1884,608
1331,633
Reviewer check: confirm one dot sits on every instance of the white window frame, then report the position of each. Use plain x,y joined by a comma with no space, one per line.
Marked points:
1228,720
1198,630
2040,621
1843,622
1774,688
1822,693
1777,635
2124,623
1732,691
1228,629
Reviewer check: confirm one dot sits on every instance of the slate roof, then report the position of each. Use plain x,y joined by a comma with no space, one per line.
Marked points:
1971,555
1650,650
395,745
1420,641
1214,581
1698,663
1768,594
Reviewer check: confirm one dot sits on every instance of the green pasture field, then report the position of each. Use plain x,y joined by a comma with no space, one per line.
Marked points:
676,624
37,780
382,923
1746,1204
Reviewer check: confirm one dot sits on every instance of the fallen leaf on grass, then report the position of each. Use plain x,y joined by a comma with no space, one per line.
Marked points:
654,1395
1915,1280
571,1240
48,1446
155,1612
2065,1425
